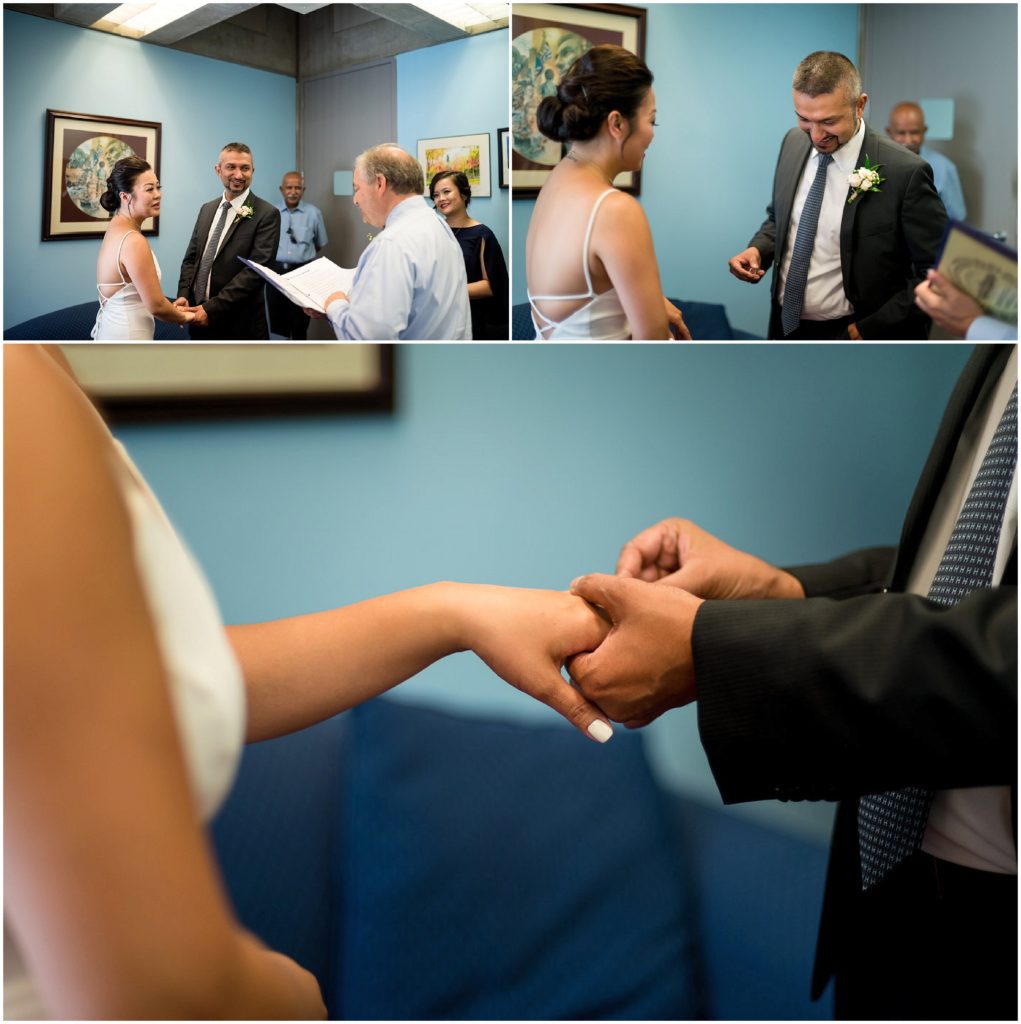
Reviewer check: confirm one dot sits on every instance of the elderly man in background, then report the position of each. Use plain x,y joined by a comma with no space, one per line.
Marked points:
410,283
907,126
302,237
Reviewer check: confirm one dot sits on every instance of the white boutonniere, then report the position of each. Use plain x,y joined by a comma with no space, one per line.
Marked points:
865,179
245,212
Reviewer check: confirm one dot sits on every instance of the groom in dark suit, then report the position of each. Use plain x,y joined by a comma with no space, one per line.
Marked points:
850,681
848,253
226,295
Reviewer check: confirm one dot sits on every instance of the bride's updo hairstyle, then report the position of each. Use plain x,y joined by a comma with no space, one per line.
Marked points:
603,79
122,179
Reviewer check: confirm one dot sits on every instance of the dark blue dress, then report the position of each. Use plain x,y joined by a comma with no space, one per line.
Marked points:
489,315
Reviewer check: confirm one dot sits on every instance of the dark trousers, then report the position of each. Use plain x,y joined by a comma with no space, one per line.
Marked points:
816,330
932,941
285,318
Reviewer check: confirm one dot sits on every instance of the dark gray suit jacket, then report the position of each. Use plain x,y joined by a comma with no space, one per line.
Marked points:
864,689
888,239
236,306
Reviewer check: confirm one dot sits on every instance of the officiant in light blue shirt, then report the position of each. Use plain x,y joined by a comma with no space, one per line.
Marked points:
410,283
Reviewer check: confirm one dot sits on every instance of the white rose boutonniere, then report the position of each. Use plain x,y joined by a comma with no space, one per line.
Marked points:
245,212
865,179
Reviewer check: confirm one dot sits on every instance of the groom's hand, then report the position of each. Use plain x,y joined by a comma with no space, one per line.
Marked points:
181,302
747,265
201,320
680,554
645,665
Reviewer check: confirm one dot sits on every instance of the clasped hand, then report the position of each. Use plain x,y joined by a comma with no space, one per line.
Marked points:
197,313
644,665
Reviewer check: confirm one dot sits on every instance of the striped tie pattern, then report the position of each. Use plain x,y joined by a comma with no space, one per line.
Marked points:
801,257
202,277
891,825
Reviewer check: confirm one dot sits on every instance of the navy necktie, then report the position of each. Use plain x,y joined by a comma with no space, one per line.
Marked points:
891,825
801,257
202,277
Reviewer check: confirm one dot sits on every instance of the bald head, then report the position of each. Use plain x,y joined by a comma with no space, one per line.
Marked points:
907,125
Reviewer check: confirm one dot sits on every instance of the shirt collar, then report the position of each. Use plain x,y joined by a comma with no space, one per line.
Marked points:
240,201
284,208
404,208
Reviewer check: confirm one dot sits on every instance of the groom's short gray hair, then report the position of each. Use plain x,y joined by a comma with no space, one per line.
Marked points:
825,71
402,171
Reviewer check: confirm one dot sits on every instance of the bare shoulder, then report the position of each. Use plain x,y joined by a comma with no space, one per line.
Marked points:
56,451
619,209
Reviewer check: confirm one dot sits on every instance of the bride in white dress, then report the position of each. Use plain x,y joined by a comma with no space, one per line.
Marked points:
589,260
126,701
127,274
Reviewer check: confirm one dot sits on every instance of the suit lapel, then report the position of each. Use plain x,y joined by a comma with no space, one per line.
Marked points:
986,361
796,154
868,145
235,222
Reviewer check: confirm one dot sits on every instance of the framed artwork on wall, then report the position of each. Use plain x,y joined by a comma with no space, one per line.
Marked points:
467,153
546,39
147,383
503,147
81,150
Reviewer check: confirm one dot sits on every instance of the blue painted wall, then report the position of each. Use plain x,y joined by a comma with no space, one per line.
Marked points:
527,466
202,104
722,81
451,90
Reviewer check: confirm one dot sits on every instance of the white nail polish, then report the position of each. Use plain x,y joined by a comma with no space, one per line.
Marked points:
600,731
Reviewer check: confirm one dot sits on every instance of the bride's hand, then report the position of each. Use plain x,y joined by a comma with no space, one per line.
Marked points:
186,317
525,636
678,327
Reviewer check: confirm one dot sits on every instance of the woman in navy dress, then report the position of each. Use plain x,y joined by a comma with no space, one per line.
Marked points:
483,257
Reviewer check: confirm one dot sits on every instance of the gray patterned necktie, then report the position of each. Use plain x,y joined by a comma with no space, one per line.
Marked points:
801,257
202,277
891,825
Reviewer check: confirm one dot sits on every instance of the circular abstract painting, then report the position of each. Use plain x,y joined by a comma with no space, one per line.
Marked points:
88,168
540,58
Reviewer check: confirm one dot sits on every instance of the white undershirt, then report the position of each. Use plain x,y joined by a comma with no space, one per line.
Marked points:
824,290
970,826
232,213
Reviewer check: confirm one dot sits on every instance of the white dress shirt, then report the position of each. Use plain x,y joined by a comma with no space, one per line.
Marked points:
232,215
410,283
824,290
970,826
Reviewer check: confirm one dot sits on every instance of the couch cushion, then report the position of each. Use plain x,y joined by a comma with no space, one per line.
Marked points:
491,870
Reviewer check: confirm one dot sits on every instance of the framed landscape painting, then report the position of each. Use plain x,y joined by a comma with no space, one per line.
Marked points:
467,153
81,150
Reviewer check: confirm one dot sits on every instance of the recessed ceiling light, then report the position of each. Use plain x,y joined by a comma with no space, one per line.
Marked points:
467,16
139,20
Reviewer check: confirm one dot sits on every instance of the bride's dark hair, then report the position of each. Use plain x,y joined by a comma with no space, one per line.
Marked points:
122,179
601,80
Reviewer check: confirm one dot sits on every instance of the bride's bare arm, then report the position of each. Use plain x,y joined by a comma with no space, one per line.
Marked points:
137,259
304,669
111,889
621,239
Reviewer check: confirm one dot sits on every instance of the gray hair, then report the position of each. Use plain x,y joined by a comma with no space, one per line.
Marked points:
403,173
825,71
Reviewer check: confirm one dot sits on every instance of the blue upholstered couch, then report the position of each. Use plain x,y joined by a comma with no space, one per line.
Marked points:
426,865
74,323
